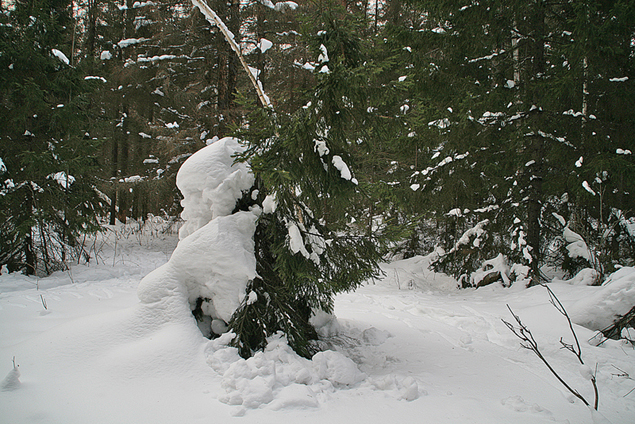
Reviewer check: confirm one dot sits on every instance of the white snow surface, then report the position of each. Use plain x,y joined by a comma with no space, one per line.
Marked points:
324,54
130,41
216,262
264,45
93,77
62,179
214,259
587,187
285,5
211,183
576,247
341,166
404,348
604,304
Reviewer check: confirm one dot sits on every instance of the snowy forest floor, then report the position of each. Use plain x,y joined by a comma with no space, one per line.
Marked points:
409,348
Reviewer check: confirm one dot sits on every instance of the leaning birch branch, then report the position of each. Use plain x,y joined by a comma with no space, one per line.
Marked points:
214,19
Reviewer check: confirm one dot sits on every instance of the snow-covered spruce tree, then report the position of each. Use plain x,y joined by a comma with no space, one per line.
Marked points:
505,95
307,245
47,199
599,205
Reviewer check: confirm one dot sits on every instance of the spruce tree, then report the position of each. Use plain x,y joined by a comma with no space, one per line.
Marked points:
308,243
505,92
47,196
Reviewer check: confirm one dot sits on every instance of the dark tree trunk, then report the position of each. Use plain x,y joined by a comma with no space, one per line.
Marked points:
91,28
114,175
536,142
228,66
30,257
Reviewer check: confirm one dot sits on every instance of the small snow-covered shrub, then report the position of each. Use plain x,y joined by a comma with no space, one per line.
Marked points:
587,242
466,256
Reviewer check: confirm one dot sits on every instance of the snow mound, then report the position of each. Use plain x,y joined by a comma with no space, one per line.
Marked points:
586,277
277,378
211,183
325,324
12,380
613,299
214,260
496,266
415,273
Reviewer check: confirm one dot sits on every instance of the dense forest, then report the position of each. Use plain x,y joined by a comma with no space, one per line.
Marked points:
490,132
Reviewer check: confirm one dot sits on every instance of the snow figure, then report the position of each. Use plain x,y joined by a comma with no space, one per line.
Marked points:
211,184
12,380
214,260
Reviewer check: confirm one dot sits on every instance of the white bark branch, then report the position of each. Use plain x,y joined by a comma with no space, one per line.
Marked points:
214,19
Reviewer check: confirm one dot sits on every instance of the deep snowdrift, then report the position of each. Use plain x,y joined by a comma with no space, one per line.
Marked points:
614,298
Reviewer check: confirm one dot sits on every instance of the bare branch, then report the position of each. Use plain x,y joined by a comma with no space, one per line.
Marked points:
558,305
528,342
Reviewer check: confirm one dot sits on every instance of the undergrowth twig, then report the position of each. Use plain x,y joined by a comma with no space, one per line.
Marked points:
528,342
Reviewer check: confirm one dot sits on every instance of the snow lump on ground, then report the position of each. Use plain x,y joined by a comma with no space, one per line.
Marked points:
606,303
214,260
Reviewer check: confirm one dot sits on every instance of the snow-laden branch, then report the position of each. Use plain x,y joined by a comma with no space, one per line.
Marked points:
214,19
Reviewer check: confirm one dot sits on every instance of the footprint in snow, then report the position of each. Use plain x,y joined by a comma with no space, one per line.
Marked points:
518,404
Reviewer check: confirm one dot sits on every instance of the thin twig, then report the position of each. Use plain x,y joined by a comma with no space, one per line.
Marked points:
528,342
577,350
625,375
44,302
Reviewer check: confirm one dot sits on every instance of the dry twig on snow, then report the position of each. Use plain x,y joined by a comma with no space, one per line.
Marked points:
528,342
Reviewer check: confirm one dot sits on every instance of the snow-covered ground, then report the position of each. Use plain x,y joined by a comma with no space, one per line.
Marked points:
409,348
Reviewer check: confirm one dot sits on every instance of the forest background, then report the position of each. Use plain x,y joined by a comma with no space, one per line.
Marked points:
481,129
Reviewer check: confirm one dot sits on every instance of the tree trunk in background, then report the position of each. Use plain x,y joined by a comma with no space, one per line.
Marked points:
227,66
536,149
393,14
534,206
29,254
91,28
114,175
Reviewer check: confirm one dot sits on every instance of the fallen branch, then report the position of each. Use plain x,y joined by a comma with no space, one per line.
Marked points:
625,375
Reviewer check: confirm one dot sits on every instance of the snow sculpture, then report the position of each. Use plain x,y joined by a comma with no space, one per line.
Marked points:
214,259
211,183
